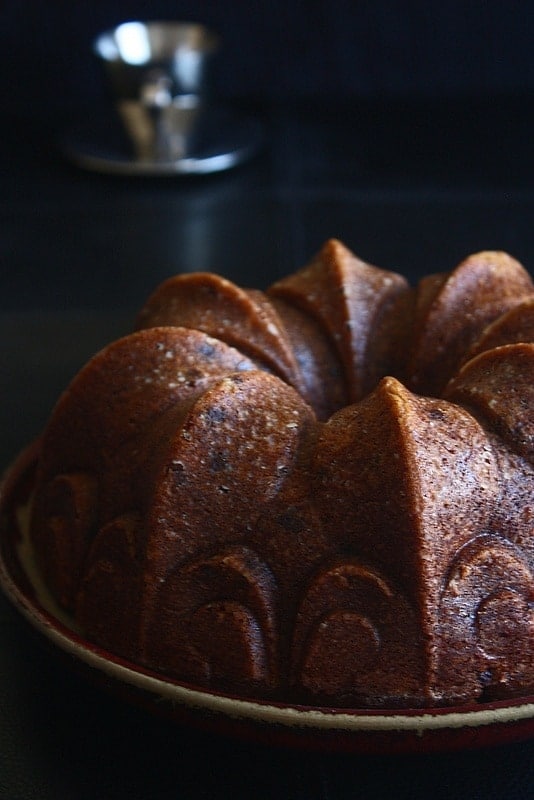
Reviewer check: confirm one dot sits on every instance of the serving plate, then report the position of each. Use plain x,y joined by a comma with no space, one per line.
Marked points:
325,729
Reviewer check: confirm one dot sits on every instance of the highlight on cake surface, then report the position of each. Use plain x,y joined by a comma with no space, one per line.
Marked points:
320,493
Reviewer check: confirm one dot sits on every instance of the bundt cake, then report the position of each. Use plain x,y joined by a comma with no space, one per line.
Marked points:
321,493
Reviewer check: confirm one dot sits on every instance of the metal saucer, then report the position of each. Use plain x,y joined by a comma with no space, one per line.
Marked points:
219,139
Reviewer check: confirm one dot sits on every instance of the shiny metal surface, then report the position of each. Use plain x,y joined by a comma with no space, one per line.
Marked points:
158,74
135,54
184,139
160,133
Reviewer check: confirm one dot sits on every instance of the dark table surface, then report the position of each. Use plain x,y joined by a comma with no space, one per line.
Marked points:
412,186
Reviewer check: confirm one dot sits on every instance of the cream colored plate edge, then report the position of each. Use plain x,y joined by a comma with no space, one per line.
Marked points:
57,627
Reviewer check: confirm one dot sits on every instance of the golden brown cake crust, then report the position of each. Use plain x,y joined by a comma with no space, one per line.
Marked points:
321,492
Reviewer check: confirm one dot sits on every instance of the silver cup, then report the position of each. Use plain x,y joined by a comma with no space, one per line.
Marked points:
159,74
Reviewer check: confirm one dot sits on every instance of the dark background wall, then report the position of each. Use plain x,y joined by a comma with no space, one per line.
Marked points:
275,49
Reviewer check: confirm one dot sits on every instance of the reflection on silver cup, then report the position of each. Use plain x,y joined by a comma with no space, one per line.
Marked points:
159,75
160,132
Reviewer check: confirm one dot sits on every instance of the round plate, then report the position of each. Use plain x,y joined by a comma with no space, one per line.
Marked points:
228,139
344,730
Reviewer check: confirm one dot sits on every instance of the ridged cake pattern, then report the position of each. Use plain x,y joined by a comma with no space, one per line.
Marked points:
321,493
